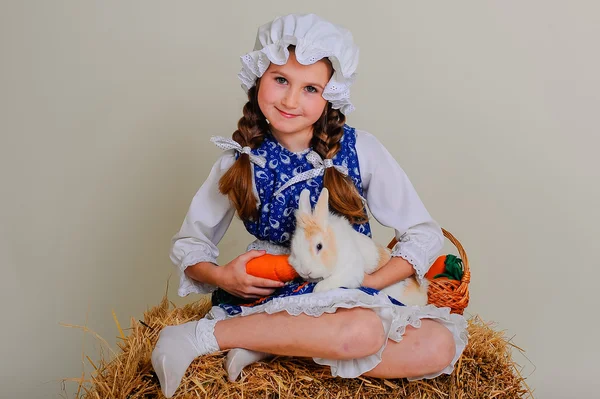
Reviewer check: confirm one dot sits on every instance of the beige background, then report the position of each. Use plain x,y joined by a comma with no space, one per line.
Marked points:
106,109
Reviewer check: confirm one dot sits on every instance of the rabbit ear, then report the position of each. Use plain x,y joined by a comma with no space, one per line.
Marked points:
304,203
322,207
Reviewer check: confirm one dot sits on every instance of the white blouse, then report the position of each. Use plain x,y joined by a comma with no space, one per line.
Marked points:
391,199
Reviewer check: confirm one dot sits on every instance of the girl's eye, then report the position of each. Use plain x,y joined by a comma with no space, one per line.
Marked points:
319,247
311,89
280,80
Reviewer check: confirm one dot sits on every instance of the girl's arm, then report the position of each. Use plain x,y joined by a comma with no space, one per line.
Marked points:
397,269
394,202
233,277
195,251
205,272
208,218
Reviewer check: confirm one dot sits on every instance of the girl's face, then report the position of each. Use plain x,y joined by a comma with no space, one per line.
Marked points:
290,97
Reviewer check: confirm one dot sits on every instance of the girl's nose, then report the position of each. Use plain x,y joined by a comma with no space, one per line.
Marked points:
290,100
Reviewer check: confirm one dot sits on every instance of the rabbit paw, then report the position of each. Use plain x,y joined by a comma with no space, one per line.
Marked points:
325,285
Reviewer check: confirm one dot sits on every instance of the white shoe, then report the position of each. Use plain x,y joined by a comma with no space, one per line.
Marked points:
239,358
177,347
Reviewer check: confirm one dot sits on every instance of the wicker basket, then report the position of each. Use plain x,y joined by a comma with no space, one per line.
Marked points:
443,292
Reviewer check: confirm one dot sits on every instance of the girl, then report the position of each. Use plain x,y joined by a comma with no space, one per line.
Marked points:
298,79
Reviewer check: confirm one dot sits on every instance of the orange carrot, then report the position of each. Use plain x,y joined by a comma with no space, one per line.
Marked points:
446,266
273,267
436,268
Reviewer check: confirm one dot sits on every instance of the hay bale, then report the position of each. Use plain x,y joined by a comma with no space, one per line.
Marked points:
485,370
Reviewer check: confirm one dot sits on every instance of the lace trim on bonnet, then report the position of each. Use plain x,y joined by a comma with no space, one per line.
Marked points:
314,39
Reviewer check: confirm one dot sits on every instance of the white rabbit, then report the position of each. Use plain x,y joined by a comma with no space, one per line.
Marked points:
325,246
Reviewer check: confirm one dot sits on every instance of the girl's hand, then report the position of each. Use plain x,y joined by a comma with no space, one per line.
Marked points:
233,278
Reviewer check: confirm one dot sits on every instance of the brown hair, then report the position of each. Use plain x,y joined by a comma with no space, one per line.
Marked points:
236,183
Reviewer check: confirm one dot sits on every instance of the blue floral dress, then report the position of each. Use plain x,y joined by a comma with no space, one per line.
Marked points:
276,220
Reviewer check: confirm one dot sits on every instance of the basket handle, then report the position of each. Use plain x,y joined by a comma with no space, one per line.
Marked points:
466,278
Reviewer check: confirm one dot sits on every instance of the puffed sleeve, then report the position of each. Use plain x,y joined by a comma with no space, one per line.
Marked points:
205,224
393,201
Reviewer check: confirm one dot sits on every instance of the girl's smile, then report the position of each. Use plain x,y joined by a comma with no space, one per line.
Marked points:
285,114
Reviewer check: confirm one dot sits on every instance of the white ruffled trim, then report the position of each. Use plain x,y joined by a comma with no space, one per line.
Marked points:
415,253
206,342
395,319
419,271
190,286
255,63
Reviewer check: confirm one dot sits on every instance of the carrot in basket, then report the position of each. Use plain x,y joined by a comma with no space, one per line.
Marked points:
448,266
273,267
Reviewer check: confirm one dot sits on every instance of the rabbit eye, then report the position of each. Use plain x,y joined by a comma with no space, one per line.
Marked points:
319,247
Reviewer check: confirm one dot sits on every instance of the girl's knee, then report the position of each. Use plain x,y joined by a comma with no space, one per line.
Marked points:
360,334
442,347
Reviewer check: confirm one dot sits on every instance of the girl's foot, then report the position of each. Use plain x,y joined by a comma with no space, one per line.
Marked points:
239,358
177,347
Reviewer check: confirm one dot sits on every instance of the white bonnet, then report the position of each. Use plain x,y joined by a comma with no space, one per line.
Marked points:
314,39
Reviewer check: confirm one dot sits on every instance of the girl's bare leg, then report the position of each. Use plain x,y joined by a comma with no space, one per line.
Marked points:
346,334
422,351
238,358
